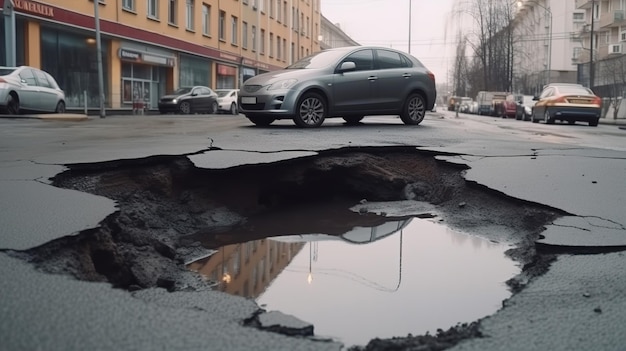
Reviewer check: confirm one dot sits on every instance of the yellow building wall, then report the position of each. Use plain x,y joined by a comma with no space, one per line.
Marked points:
33,44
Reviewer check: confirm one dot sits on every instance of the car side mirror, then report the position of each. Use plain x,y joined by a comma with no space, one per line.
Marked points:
347,66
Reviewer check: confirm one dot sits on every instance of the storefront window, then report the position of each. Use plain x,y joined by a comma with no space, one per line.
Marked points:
194,71
226,77
71,59
142,83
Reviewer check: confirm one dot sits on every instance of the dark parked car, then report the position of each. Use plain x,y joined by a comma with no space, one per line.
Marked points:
567,102
28,89
347,82
186,100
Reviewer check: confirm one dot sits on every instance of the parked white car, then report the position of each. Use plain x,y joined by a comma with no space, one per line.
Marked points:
227,100
29,89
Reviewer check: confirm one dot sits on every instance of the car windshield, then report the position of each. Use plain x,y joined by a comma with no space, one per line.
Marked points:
574,90
222,93
318,60
181,91
5,71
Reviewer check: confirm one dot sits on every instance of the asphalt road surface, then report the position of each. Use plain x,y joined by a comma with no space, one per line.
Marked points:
579,171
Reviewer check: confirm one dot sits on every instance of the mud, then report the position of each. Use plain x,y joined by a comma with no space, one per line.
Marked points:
166,204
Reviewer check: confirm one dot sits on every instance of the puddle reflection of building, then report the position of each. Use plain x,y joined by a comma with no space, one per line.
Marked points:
247,269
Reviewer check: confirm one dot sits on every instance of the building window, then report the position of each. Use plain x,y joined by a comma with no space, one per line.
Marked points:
284,52
271,44
253,38
222,28
579,16
171,12
262,43
278,11
235,33
244,35
128,5
153,8
278,47
206,19
190,13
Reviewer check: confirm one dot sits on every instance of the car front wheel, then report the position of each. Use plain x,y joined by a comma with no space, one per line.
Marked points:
12,105
60,107
414,110
185,107
233,109
310,111
214,108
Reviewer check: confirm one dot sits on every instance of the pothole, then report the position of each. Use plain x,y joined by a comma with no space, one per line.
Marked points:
172,213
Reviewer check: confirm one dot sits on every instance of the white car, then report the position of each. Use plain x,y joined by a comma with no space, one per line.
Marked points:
227,100
29,89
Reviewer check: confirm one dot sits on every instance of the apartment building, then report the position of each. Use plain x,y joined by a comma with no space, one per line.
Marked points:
544,43
605,31
150,47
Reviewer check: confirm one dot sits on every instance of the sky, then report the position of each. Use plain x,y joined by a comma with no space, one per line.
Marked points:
386,23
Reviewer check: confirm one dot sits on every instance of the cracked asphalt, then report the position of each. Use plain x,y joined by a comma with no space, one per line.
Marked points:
577,304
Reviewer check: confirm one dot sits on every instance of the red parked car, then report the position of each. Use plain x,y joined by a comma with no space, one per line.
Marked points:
509,106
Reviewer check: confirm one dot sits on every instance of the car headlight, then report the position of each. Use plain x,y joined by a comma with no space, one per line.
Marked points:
174,100
282,84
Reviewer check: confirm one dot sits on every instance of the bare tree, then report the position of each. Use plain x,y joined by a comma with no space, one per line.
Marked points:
612,79
490,39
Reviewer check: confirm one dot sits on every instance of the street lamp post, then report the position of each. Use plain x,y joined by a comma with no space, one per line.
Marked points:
520,3
409,26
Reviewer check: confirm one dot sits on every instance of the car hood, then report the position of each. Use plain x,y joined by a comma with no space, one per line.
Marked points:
275,76
174,96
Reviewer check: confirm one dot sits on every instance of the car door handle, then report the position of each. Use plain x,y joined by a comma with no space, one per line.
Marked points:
407,75
372,78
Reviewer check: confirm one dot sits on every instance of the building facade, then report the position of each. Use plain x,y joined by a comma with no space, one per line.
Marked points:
545,43
605,71
150,47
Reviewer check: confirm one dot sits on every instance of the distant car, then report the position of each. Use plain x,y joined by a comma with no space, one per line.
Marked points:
346,82
524,108
509,106
186,100
29,89
567,102
227,100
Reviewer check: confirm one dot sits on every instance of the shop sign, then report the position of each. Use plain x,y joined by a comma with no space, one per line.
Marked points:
34,7
229,57
140,57
226,70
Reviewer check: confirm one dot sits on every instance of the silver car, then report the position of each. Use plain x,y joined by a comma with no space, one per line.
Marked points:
347,82
28,89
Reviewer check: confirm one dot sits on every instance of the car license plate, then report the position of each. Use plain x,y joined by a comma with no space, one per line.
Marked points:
248,100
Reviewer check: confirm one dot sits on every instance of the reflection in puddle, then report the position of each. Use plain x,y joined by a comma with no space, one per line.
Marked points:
400,277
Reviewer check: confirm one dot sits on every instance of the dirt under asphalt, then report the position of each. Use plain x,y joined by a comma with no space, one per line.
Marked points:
171,212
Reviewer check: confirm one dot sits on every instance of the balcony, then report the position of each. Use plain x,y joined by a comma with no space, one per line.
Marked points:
612,19
583,4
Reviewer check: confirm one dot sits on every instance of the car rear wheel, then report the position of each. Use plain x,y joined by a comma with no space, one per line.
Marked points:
547,118
594,123
185,107
12,105
261,121
60,107
352,119
233,109
414,110
310,111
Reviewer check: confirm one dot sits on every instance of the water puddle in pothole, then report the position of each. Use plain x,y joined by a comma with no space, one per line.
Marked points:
402,276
